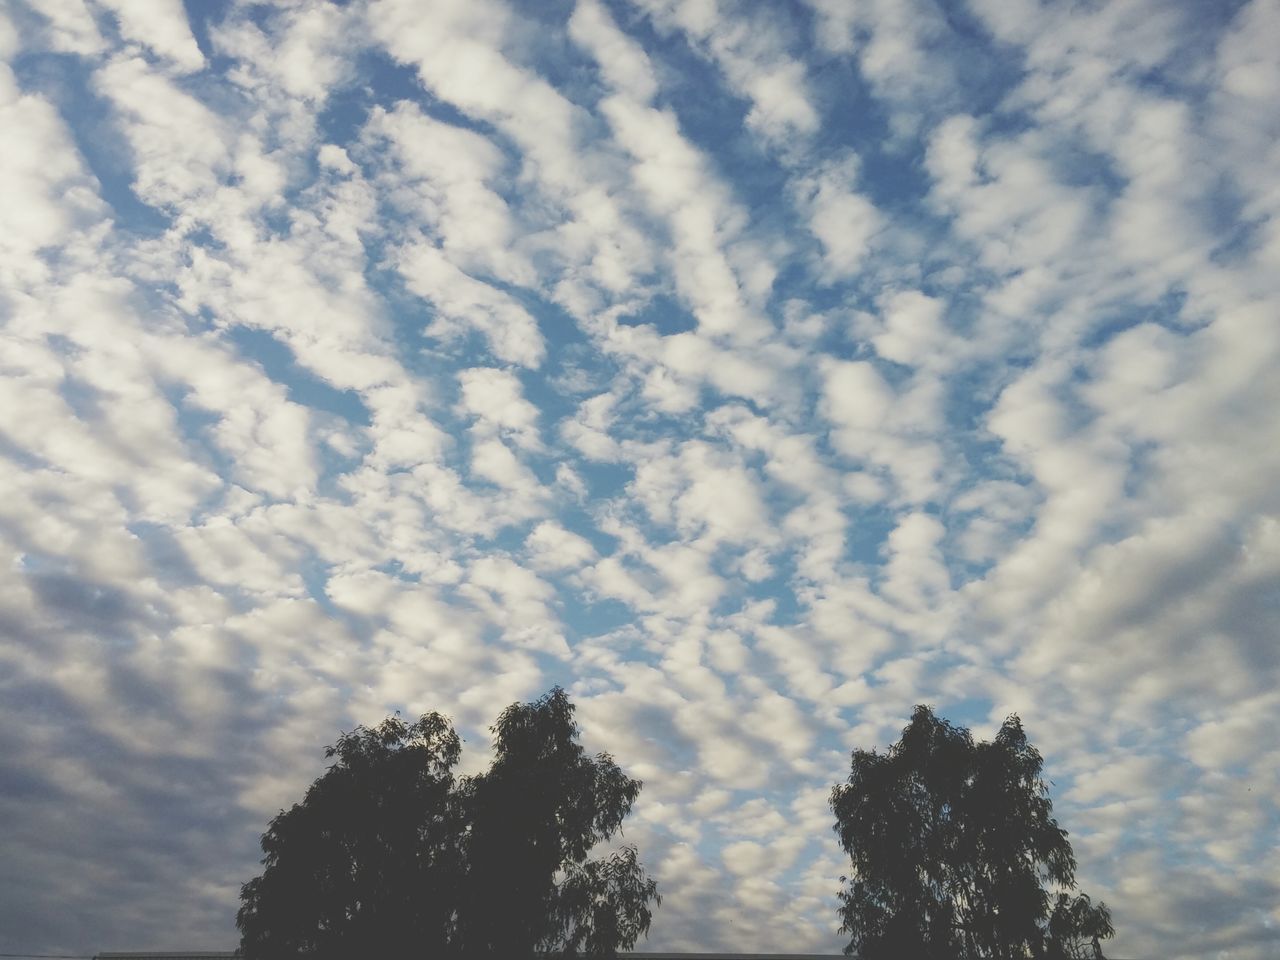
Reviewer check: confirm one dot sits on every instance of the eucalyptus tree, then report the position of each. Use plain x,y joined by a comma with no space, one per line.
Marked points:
390,854
955,853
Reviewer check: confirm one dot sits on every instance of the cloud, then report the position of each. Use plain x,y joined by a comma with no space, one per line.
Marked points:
706,496
462,301
621,59
496,399
162,27
843,221
304,50
52,192
555,548
71,28
747,47
905,51
181,148
443,175
892,430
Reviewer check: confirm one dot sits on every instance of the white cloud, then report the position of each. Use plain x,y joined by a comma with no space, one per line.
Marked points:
1232,738
1006,196
265,436
890,429
915,572
914,333
494,461
552,547
621,59
588,431
162,26
464,302
699,216
223,553
843,221
51,194
747,49
707,496
746,857
181,148
516,600
72,27
496,398
305,50
462,61
900,48
857,397
445,174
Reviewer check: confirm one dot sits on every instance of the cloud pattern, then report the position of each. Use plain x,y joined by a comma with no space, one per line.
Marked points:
755,371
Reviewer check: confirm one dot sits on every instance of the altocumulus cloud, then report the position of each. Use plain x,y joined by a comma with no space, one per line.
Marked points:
754,370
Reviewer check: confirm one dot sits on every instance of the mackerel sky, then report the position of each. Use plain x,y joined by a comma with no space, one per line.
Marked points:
755,371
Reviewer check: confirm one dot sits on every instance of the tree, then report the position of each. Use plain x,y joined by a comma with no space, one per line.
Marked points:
955,853
533,818
367,862
389,855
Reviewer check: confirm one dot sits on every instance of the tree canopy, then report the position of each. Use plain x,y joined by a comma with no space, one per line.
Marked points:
955,853
390,854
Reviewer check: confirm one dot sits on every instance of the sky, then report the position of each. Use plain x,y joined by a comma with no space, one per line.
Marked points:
753,370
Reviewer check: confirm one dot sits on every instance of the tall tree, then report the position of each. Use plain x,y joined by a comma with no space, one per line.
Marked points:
367,863
534,817
955,853
389,855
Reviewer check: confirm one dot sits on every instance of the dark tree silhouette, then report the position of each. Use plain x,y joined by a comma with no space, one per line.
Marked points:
955,853
390,855
367,863
533,819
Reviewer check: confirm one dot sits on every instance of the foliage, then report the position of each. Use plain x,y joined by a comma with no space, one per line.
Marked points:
954,851
534,817
389,854
364,863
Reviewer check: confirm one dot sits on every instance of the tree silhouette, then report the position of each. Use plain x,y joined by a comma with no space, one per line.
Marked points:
367,862
954,852
533,819
389,855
